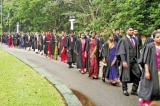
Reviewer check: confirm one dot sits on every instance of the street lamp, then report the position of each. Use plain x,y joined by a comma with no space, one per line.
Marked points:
17,27
71,19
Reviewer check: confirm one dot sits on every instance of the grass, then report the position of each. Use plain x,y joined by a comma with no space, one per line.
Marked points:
20,85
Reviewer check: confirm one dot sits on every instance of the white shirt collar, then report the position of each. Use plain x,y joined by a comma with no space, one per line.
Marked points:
129,36
134,35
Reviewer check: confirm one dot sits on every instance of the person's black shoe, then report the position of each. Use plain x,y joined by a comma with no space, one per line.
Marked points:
134,93
126,93
70,67
103,79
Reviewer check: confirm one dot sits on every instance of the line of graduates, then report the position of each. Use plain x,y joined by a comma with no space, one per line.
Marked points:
121,60
119,55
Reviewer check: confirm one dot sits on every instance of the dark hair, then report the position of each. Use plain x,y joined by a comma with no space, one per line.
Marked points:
87,31
117,29
129,27
82,33
135,29
110,34
155,33
71,31
93,32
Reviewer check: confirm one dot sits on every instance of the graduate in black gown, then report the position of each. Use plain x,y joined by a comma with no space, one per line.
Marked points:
69,45
47,49
62,49
117,35
150,81
88,36
110,68
3,38
15,39
81,53
32,41
150,39
18,39
92,54
127,52
138,38
28,40
6,39
101,41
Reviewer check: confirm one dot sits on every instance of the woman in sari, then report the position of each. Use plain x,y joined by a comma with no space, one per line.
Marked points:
9,39
47,49
80,51
62,49
110,69
54,45
92,52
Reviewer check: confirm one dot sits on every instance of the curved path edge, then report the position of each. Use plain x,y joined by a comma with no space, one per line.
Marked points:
70,98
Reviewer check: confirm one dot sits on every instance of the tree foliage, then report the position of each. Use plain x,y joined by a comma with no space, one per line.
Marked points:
42,15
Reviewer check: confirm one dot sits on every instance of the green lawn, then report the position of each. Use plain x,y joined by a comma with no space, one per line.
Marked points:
20,85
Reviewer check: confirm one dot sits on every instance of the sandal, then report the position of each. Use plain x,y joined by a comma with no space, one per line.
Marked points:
103,79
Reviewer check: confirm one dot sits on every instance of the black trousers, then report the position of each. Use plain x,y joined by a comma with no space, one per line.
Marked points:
135,75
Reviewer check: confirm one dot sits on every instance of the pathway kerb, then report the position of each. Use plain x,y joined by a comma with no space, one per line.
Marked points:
70,98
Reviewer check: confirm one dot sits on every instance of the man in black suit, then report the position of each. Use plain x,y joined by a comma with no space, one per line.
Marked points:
87,34
117,35
127,52
139,40
69,45
101,41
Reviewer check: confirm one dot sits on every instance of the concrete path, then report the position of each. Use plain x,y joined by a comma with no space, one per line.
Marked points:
100,93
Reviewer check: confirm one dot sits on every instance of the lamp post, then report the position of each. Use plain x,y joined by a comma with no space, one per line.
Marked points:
72,19
17,27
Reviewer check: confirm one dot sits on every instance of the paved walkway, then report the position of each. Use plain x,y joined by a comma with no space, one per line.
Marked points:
100,93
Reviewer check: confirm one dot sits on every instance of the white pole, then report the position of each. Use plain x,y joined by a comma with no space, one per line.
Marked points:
72,21
17,28
71,24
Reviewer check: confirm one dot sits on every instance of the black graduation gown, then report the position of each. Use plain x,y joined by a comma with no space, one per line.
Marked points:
148,40
70,46
139,42
36,41
53,43
15,40
3,39
101,41
149,89
123,49
105,53
78,49
117,38
88,54
27,41
6,38
87,36
32,41
40,46
18,39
